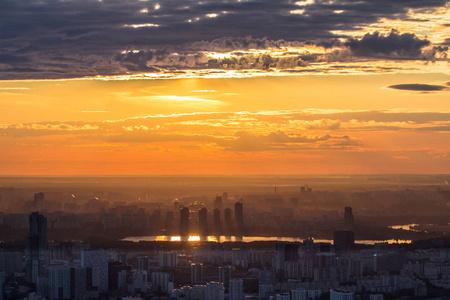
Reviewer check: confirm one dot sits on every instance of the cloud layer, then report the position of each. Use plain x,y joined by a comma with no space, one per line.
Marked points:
419,87
264,142
59,39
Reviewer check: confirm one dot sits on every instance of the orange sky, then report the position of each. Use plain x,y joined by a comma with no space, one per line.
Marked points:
266,125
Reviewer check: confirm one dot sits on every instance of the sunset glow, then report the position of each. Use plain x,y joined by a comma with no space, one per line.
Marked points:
278,98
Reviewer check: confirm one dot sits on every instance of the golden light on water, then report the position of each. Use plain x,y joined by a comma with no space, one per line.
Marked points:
194,238
249,239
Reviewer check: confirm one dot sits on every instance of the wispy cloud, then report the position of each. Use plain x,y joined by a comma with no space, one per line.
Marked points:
184,98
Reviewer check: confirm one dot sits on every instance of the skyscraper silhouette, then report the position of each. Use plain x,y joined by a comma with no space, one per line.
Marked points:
168,222
36,244
225,275
38,202
218,202
203,221
348,219
239,217
228,221
184,221
217,222
196,273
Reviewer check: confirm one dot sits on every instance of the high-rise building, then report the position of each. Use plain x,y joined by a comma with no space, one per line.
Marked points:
98,261
139,279
143,263
11,262
228,221
218,203
224,197
266,276
122,257
196,292
36,245
291,270
239,215
38,201
344,239
156,219
203,222
66,282
168,259
214,291
299,294
196,273
225,275
282,297
217,222
59,282
184,221
168,222
240,256
341,295
2,283
160,282
348,219
38,225
236,289
314,294
265,290
286,252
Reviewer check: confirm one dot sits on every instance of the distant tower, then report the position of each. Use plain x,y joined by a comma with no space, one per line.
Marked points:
36,244
168,222
203,221
38,202
341,295
225,197
218,202
239,215
196,273
225,275
282,296
168,259
156,219
236,289
214,291
184,221
348,219
217,222
345,238
228,221
98,261
143,263
286,252
299,294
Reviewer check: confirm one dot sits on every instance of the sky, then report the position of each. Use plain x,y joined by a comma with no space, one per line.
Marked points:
224,87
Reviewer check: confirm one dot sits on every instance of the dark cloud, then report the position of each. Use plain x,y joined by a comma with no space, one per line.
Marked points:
10,59
44,34
376,44
418,87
